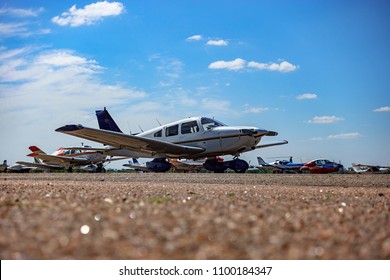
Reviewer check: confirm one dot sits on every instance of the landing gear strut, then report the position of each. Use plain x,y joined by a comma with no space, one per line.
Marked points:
238,165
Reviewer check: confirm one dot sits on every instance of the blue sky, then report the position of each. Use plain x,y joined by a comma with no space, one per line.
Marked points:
315,71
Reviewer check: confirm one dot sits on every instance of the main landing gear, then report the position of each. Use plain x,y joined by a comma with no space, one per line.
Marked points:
238,165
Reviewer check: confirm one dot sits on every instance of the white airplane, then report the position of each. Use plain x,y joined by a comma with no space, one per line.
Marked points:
65,159
18,167
366,168
191,138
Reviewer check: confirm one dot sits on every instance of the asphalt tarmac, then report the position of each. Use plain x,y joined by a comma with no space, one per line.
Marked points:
194,216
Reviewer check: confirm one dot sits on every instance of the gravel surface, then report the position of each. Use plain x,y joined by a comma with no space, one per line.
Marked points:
194,216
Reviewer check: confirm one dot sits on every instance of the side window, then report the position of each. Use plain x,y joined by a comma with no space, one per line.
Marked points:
172,130
189,127
158,134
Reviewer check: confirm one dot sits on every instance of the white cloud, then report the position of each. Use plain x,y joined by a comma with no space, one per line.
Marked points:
284,66
21,12
90,14
325,120
63,58
255,110
23,28
217,43
342,136
382,109
5,54
20,29
307,96
239,64
195,38
234,65
352,135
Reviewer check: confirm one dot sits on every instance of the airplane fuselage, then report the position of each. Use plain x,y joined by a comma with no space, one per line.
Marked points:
90,157
212,136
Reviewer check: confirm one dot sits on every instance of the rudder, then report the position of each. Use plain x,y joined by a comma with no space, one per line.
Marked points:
261,161
106,122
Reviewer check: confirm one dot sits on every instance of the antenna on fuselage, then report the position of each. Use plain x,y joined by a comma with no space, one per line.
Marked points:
140,128
158,122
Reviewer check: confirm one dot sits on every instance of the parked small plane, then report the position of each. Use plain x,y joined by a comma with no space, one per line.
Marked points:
322,166
65,159
280,166
191,138
19,167
366,168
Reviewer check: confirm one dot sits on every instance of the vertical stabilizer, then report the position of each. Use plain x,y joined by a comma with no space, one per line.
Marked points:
261,161
36,151
106,122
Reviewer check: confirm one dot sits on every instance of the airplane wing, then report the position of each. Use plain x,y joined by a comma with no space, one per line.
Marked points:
41,165
60,159
272,144
131,142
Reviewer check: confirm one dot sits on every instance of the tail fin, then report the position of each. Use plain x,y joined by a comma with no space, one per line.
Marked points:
261,161
35,151
135,161
106,122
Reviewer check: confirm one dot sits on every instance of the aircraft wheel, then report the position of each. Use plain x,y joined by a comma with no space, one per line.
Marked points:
99,168
239,165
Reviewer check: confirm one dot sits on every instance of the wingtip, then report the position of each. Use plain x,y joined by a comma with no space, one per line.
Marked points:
69,127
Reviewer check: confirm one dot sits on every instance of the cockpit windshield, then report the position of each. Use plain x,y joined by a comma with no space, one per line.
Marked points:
208,123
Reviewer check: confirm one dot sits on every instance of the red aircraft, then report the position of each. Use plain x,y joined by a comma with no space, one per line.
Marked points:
321,166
